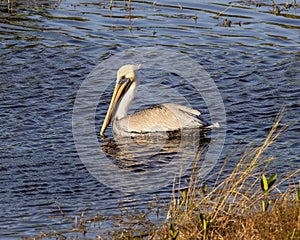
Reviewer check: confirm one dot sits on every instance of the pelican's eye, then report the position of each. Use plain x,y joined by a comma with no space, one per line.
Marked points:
123,79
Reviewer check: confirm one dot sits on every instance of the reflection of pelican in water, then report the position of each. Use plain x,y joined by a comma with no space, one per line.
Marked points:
168,117
146,154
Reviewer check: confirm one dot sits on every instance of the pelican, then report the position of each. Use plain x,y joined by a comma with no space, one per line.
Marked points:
166,117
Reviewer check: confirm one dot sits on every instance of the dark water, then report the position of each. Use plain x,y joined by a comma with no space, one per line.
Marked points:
48,51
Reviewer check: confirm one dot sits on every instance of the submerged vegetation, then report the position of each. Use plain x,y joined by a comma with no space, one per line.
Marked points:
249,203
273,6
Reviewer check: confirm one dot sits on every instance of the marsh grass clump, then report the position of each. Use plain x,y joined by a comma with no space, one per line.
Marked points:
245,205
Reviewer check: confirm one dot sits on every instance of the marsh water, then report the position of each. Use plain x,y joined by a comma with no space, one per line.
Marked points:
48,50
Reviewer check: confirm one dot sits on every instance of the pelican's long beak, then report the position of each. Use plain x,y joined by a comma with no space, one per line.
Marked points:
120,89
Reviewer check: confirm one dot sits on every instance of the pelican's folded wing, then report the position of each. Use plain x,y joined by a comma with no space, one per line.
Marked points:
158,118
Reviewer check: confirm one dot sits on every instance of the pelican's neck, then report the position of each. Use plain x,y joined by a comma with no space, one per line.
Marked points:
122,107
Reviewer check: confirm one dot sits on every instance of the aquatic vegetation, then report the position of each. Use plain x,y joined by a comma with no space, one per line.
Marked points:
266,184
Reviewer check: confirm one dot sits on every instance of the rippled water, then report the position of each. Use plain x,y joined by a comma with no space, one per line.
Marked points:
47,51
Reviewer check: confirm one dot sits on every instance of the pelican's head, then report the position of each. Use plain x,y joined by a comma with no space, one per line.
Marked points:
123,94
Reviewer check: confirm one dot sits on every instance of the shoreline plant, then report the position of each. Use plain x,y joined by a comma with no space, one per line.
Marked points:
243,206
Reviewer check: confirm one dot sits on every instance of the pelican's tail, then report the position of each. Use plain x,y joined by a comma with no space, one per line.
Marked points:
212,126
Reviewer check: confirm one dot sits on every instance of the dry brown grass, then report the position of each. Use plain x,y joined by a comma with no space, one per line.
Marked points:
233,208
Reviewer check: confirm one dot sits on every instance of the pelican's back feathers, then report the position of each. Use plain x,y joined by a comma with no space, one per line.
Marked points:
159,118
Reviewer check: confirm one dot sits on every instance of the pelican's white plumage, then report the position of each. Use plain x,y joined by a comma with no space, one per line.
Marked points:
167,117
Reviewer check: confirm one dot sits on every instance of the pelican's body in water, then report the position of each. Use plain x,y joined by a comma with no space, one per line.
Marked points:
167,117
